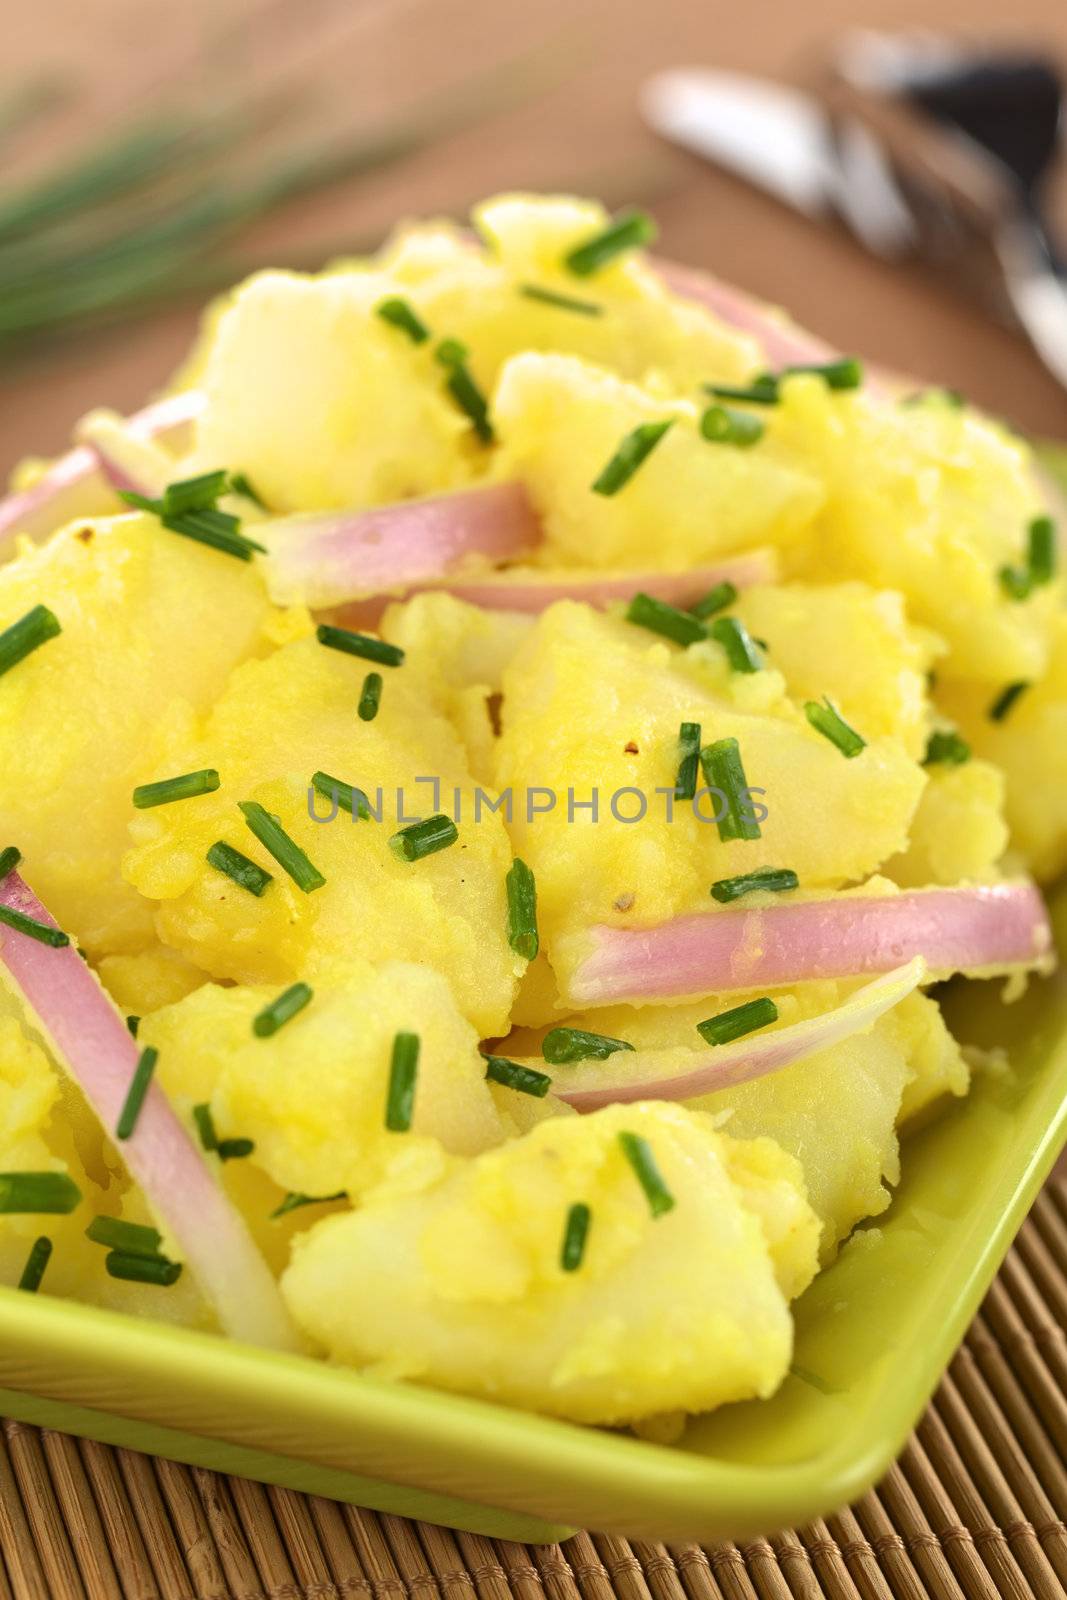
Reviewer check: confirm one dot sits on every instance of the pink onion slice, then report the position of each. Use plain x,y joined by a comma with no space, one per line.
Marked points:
328,558
90,1039
724,1065
983,929
77,486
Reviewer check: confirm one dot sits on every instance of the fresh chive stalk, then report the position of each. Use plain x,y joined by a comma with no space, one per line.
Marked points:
21,923
561,1046
359,644
403,1074
400,313
460,383
167,790
765,389
129,1238
628,231
245,873
38,1258
685,784
133,1024
218,529
131,1108
294,1201
195,494
638,1153
762,391
775,880
736,640
205,1127
562,302
344,795
635,448
9,860
1020,582
27,635
142,1269
54,1192
370,697
738,1021
722,424
658,617
1005,700
827,720
575,1234
234,1149
946,747
723,770
286,852
526,1080
717,599
240,484
281,1010
424,838
522,910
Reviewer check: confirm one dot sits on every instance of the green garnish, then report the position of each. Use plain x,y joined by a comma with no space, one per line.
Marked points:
522,910
131,1108
293,1201
563,1045
736,640
1006,699
234,1149
38,1191
827,720
168,790
778,880
1040,567
563,302
513,1076
659,617
765,390
723,770
685,784
9,860
133,1023
194,494
627,231
347,795
286,852
27,635
403,1072
740,1020
142,1269
632,451
38,1258
33,929
724,425
400,313
424,838
462,387
129,1238
724,594
762,391
575,1233
240,484
359,644
945,745
638,1153
370,697
246,874
206,524
205,1126
281,1010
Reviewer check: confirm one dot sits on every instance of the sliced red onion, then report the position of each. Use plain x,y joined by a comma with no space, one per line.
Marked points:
91,1041
725,1065
77,484
984,929
782,342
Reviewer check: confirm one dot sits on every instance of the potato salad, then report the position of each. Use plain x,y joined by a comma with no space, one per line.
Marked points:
494,766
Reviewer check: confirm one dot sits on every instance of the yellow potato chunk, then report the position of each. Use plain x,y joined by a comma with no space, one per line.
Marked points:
278,722
958,834
461,1284
561,420
936,1062
151,624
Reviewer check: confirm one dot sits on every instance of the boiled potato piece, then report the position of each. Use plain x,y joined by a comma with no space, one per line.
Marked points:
958,834
936,1062
461,1284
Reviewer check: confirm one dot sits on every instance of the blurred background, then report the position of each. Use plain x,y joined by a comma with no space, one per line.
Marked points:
152,154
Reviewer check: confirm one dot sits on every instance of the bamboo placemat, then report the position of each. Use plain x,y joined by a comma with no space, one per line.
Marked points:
973,1510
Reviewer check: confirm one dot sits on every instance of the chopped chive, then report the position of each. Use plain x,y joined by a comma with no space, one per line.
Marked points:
724,425
246,874
370,696
34,929
575,1233
38,1192
738,1021
659,617
827,720
762,391
293,1201
38,1258
685,784
736,640
723,770
631,452
9,860
239,484
403,1072
234,1149
1042,550
281,1010
424,838
129,1238
462,387
359,644
629,230
527,1080
347,795
522,910
142,1269
131,1108
845,373
219,529
776,880
194,494
167,790
1015,582
563,302
945,745
561,1046
27,635
638,1153
1006,699
400,313
286,852
205,1126
724,594
133,1023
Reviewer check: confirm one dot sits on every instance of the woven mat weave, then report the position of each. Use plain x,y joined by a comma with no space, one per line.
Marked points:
974,1509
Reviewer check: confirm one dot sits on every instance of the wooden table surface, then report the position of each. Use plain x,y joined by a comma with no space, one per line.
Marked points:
364,60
